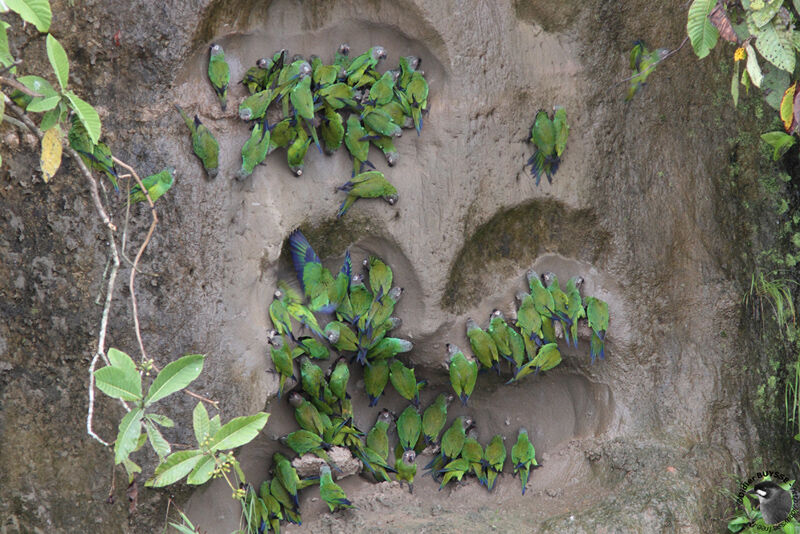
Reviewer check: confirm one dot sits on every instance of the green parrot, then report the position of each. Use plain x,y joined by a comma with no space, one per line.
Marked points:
341,337
408,65
331,130
463,373
372,186
219,73
314,348
282,359
452,443
560,300
360,297
518,348
304,441
339,378
360,64
303,315
483,346
562,129
529,321
373,462
406,468
453,470
272,505
494,457
400,114
382,91
526,369
341,59
303,103
287,476
380,276
544,304
296,153
388,347
306,414
575,306
256,78
473,453
523,457
597,317
381,122
380,311
204,144
156,185
322,74
385,145
282,135
498,330
547,358
544,160
290,512
378,435
435,417
255,106
405,382
357,143
331,492
417,94
289,76
338,96
255,149
643,62
376,376
409,427
312,378
96,157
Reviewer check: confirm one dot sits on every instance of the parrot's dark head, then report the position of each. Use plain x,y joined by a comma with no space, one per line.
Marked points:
520,296
297,57
531,275
467,421
395,293
452,348
344,49
386,416
391,199
333,335
245,114
448,399
578,281
341,360
471,323
278,294
357,279
276,341
391,158
496,313
264,63
378,52
365,263
305,69
295,399
409,456
394,322
548,278
215,49
414,62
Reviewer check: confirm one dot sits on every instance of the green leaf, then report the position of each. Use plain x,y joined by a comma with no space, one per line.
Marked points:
38,84
6,58
774,85
160,445
779,141
775,48
46,103
119,383
132,468
130,428
735,84
788,528
748,505
762,16
161,420
753,70
183,529
238,468
202,426
214,425
175,467
737,524
87,115
37,12
702,33
174,377
239,431
203,471
121,360
59,61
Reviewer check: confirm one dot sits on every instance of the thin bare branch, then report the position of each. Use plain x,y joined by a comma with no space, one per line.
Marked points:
11,82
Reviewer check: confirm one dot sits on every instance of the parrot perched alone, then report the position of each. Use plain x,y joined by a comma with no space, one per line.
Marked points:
331,492
549,136
643,62
204,144
371,184
523,457
463,373
219,73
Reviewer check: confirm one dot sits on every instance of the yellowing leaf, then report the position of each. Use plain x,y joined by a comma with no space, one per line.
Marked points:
787,106
51,153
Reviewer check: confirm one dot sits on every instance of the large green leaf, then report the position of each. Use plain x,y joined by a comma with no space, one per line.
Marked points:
774,84
239,431
131,467
160,445
776,48
779,141
37,12
59,61
121,360
702,34
87,115
753,70
119,383
175,467
6,58
162,420
38,84
214,425
766,13
130,428
45,103
174,377
203,471
202,426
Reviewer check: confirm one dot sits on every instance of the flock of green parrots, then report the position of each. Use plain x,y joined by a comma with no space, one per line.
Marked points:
358,308
347,102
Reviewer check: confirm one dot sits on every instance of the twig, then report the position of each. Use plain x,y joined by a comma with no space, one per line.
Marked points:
98,204
11,66
15,122
18,86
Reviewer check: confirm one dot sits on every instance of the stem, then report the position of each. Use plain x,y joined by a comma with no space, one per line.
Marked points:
18,86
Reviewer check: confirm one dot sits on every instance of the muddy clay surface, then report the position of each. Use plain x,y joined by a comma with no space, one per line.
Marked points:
641,207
